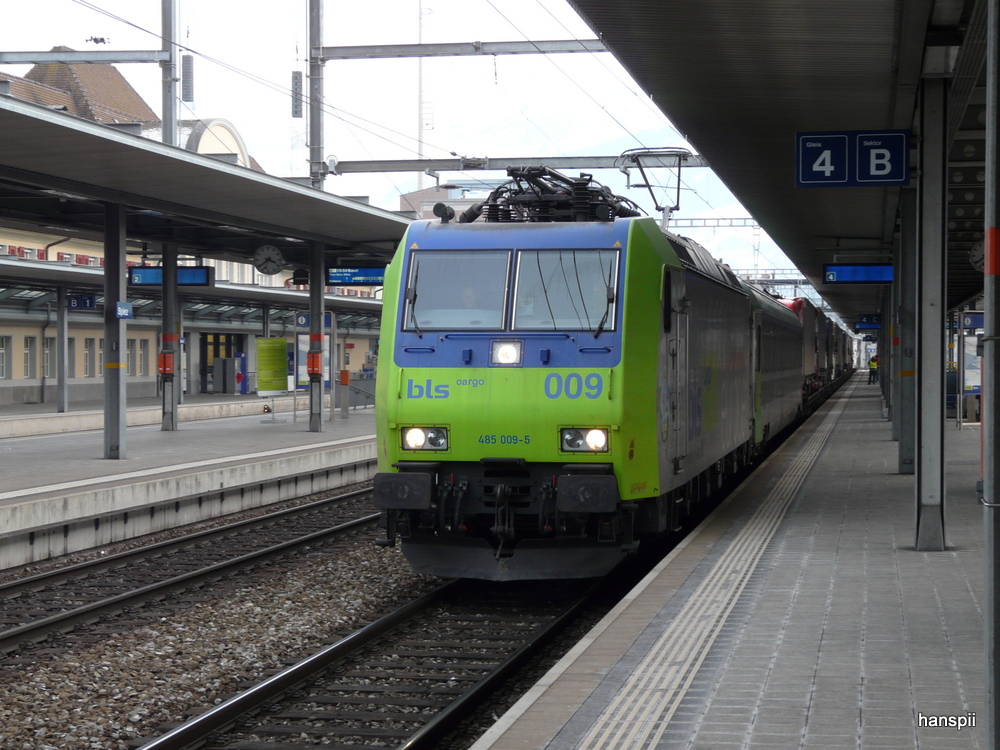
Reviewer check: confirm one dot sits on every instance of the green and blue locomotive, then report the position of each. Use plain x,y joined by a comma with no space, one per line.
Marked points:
563,378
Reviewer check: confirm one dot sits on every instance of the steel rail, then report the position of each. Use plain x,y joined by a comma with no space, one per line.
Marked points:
429,735
221,717
225,715
58,575
11,640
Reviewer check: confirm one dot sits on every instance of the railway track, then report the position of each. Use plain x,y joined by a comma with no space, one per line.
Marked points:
67,599
406,680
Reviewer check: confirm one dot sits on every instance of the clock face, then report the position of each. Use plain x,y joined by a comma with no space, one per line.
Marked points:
977,256
268,259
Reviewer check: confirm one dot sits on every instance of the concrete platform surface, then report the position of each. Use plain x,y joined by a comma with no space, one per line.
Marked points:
60,495
19,420
798,617
40,461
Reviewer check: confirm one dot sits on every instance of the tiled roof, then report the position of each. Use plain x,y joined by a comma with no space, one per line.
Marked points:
38,93
93,91
98,91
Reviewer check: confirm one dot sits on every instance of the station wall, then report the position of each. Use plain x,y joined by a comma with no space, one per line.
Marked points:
28,363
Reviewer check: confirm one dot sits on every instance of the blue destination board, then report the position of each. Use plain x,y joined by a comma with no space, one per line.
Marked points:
853,158
355,276
857,273
186,276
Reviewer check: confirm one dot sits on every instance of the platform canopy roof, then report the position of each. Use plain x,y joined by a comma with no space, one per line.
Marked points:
57,171
740,78
28,286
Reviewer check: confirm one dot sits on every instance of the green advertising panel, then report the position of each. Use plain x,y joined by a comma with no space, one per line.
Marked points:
272,367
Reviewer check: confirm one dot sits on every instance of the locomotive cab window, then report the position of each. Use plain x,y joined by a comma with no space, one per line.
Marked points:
456,290
566,290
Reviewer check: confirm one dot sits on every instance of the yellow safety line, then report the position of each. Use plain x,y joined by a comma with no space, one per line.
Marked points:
639,714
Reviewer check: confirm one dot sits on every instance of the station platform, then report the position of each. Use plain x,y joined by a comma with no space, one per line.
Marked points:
798,616
19,420
61,495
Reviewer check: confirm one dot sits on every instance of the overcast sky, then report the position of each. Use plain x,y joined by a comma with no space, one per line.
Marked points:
505,106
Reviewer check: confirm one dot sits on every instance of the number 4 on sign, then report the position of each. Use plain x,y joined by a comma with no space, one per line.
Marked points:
824,163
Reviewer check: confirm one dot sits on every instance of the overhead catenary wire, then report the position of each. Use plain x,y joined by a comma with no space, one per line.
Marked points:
586,91
285,90
354,121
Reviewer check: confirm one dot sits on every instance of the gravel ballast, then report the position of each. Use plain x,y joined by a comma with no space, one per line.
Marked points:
102,696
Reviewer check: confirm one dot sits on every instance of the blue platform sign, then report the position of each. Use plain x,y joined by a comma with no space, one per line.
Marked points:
973,320
857,273
186,276
82,302
869,322
853,158
355,276
123,310
302,320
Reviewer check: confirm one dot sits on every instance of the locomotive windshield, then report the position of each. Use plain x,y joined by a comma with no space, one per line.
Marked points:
565,290
456,290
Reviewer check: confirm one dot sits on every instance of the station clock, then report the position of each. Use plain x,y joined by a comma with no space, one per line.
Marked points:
268,259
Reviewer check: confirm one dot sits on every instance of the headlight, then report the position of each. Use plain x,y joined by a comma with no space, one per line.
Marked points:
505,353
582,439
596,440
425,438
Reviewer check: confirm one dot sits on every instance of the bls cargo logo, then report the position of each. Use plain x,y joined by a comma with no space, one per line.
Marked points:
426,390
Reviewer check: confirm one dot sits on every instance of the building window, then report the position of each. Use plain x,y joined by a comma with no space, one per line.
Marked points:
100,357
143,357
71,358
89,358
130,357
4,357
49,357
30,357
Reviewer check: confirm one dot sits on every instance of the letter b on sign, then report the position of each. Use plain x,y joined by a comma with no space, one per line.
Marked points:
880,163
883,158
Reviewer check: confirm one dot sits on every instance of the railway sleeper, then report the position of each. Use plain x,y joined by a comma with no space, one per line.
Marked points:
278,730
315,715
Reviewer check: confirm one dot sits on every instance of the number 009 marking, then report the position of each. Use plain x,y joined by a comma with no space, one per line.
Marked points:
573,385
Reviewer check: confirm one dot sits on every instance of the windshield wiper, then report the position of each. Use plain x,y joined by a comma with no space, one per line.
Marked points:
411,298
607,307
607,311
545,291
